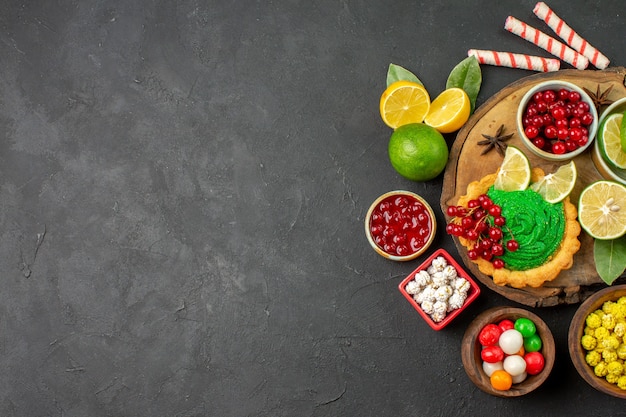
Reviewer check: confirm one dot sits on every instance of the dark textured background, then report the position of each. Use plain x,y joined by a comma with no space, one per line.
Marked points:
182,192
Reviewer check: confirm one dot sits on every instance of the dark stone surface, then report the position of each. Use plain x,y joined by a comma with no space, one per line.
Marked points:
182,192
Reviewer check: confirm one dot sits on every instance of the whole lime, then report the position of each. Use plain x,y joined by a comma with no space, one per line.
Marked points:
418,152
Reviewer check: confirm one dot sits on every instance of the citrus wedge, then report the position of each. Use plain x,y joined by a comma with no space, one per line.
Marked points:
622,132
514,173
449,111
610,140
602,210
404,102
558,185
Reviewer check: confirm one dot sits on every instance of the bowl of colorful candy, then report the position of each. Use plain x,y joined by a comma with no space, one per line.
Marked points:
608,155
596,340
557,120
439,289
508,351
400,225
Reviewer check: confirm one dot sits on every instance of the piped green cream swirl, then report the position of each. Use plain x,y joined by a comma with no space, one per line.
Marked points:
538,227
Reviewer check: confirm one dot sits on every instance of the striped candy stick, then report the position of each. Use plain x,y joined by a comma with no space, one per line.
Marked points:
521,61
558,25
546,42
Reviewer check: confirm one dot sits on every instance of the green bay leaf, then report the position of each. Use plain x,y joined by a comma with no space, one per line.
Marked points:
610,258
398,73
467,75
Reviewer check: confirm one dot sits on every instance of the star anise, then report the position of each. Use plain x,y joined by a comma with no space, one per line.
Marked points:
496,141
600,98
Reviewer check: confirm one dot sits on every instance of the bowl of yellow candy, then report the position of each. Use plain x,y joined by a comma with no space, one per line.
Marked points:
597,340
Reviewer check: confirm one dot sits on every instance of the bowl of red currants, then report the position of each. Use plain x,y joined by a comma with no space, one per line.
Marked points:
400,225
557,120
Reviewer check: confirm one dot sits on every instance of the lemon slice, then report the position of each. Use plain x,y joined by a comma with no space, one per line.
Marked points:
449,111
404,102
602,210
611,143
558,185
514,173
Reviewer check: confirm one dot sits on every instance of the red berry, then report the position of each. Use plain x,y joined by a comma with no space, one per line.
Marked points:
550,131
495,233
586,119
575,122
531,131
575,133
498,263
512,245
497,249
558,112
571,145
499,221
549,96
472,234
574,96
539,142
495,210
562,133
558,148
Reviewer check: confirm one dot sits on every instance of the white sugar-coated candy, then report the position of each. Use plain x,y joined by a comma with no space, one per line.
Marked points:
519,378
490,368
511,341
515,365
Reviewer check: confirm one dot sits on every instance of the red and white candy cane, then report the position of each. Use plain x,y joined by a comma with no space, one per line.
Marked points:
546,42
558,25
511,60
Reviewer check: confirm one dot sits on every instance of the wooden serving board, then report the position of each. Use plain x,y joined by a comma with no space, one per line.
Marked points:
466,164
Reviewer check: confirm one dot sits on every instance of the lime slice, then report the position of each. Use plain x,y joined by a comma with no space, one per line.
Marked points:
514,173
602,210
558,185
622,132
610,140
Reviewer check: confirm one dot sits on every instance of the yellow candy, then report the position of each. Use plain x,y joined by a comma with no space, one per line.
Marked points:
615,368
609,355
593,358
621,382
608,306
620,329
612,379
621,351
600,369
600,333
593,321
589,342
608,321
610,342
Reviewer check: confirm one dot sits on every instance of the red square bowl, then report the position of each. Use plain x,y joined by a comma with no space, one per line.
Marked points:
472,292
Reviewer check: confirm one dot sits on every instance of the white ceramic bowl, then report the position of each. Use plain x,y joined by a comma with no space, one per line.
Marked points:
605,169
556,85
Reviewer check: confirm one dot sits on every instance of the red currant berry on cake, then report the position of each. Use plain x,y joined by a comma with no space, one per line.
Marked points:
498,263
512,245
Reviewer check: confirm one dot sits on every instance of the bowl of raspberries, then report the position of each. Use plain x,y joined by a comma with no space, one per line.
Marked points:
557,120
